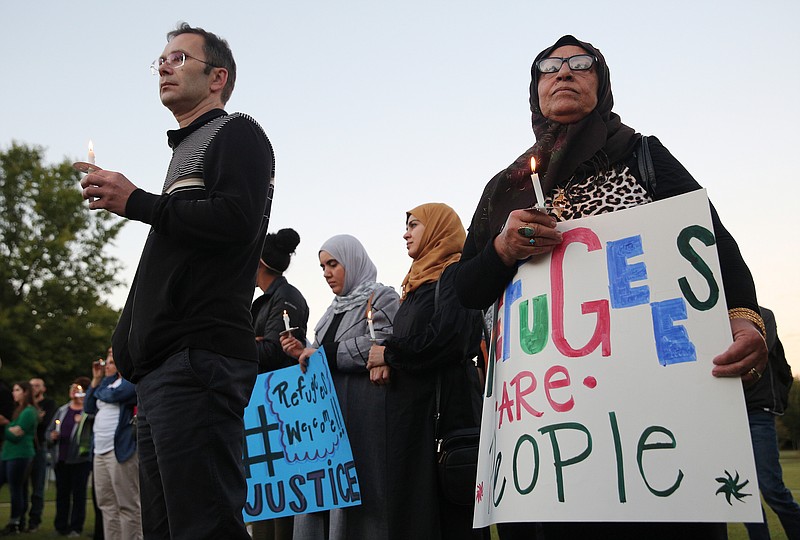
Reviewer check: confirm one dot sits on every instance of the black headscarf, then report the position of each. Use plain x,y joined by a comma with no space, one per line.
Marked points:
581,149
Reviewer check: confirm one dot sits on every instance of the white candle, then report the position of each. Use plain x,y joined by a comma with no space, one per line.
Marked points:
370,325
90,159
286,324
537,186
58,426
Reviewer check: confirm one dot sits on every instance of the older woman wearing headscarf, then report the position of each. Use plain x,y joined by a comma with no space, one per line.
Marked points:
588,161
434,338
343,334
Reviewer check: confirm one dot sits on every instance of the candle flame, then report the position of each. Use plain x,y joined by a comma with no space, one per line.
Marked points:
58,421
284,313
533,164
369,314
91,146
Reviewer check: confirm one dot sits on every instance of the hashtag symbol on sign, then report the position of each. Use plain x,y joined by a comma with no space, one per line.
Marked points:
269,457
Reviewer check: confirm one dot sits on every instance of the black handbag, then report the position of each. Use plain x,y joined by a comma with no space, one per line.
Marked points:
457,463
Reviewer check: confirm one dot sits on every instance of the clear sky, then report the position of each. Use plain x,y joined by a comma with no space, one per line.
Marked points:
376,107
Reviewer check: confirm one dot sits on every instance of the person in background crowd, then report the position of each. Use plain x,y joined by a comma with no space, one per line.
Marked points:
279,299
430,353
18,452
47,408
343,334
72,460
765,400
587,160
6,406
185,330
116,470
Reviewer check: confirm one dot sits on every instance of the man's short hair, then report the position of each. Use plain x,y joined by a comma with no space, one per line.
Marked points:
218,54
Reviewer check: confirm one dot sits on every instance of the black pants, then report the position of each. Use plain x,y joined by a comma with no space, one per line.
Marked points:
613,531
190,431
37,481
71,480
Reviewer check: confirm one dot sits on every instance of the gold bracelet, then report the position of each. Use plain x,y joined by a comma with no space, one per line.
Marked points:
750,315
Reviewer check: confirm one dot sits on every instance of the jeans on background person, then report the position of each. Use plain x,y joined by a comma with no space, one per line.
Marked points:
14,473
770,478
191,430
38,476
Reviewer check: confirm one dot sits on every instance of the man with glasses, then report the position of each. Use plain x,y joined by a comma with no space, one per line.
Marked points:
185,336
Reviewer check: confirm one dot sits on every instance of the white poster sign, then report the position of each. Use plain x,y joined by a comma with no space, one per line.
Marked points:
600,404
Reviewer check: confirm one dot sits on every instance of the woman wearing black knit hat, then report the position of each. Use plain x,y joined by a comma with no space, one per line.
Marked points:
268,311
589,163
279,297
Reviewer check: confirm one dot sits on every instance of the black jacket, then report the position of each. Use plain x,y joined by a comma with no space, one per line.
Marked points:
771,392
441,338
267,312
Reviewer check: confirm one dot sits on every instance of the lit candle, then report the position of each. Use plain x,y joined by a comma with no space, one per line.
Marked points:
286,324
58,426
537,186
90,158
370,325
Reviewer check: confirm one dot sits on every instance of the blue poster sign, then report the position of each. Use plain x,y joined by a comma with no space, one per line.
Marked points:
297,456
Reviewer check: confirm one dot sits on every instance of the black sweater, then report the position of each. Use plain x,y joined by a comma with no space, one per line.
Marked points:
196,275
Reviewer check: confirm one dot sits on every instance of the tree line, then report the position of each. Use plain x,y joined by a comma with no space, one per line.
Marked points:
788,425
56,274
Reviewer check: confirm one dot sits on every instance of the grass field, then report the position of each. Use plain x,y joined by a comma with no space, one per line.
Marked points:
736,531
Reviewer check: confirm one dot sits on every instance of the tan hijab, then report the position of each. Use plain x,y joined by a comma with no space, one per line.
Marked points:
440,245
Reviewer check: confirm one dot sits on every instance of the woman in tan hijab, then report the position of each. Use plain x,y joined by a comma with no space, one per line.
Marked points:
434,339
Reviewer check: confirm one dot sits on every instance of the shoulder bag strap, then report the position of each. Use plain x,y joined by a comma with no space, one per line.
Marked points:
646,168
438,379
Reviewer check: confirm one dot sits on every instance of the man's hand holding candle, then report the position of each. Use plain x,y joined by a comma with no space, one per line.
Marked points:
110,191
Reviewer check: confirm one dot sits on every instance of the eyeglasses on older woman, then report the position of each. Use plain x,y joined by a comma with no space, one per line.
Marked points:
578,62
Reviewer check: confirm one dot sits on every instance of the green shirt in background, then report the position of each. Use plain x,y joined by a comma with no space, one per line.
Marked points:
21,446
